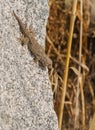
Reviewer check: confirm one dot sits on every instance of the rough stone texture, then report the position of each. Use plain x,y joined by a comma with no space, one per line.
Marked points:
26,100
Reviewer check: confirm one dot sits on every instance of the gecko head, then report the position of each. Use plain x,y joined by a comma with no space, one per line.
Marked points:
46,62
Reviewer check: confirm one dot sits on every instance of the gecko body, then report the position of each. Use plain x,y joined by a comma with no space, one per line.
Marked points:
33,46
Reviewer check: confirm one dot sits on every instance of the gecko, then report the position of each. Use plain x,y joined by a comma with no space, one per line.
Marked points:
36,49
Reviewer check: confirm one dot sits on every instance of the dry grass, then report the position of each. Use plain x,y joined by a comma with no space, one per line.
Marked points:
76,95
92,123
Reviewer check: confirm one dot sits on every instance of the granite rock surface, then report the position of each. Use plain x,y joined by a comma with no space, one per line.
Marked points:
26,99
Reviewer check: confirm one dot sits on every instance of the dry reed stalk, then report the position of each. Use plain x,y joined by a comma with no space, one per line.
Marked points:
83,102
80,80
85,29
65,75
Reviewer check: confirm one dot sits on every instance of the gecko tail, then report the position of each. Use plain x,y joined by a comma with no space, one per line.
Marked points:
21,24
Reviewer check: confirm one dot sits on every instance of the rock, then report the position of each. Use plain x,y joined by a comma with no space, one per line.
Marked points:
26,99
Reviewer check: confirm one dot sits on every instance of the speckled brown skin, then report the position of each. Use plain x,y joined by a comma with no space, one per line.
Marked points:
33,46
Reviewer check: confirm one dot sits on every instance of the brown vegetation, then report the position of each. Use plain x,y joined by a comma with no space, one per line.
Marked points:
73,57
